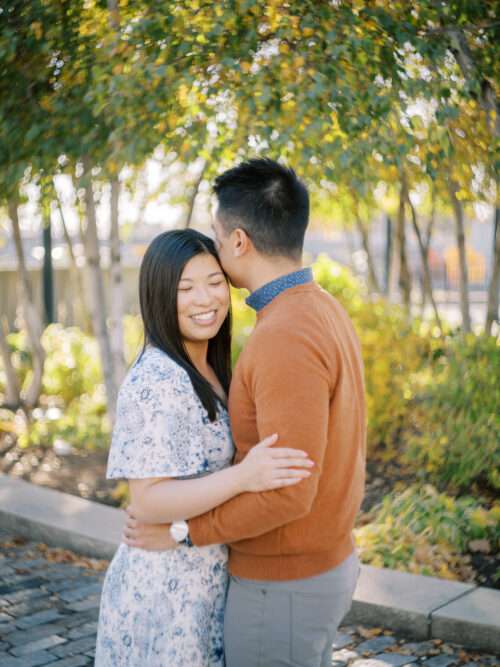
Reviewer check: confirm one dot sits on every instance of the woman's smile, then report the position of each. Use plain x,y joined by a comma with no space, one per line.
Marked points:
207,318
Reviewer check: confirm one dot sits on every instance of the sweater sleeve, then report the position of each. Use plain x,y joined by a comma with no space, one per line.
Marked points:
292,389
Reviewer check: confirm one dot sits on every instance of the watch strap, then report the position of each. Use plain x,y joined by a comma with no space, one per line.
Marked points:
187,541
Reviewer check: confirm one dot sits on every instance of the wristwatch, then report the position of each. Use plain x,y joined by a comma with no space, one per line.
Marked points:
179,531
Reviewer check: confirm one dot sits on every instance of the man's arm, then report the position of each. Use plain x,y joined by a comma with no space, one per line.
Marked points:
291,387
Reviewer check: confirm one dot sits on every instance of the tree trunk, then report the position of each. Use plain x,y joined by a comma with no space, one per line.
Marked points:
76,274
194,194
494,287
96,292
428,237
404,278
424,255
32,320
387,255
462,256
48,267
12,389
365,242
117,309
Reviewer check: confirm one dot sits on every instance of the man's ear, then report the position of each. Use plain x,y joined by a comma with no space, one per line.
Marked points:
241,242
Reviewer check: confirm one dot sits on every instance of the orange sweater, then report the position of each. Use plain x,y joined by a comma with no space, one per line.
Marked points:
301,376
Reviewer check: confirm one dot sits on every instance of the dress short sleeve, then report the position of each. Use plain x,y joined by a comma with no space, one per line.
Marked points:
155,429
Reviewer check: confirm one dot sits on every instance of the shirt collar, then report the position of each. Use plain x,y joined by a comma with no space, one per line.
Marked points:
265,294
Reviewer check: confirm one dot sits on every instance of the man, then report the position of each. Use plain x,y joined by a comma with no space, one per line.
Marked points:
292,559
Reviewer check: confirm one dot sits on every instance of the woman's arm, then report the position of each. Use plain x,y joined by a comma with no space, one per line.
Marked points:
161,500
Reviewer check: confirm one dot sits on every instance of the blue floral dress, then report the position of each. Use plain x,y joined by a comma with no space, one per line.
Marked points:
164,609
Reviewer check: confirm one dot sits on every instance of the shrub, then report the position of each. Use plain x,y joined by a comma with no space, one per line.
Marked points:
243,321
394,351
72,366
426,532
457,439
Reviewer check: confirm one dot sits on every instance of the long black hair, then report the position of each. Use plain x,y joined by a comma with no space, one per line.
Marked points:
161,270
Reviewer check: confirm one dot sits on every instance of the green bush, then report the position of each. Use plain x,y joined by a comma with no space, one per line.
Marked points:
84,425
456,417
423,531
394,351
243,321
21,358
72,367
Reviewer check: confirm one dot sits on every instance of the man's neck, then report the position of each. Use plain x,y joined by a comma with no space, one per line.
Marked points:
266,270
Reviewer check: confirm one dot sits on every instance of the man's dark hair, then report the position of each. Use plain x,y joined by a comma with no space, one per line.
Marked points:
268,201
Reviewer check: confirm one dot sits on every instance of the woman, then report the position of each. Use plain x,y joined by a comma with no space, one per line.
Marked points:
172,442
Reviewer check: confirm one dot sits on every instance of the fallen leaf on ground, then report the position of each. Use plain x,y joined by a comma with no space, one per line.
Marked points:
368,633
480,545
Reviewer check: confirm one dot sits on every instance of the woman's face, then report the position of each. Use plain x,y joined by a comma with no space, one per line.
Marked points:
202,298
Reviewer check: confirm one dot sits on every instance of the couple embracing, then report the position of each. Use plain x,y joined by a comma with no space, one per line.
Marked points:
238,546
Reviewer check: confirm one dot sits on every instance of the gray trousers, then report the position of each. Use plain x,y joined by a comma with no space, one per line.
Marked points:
287,623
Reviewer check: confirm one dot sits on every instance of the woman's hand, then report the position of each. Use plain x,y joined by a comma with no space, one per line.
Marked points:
148,536
266,467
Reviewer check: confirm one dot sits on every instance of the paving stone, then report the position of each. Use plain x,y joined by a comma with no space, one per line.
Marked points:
83,631
37,659
84,605
33,564
77,646
341,641
68,570
38,618
31,606
38,645
418,648
7,660
5,628
396,659
441,661
72,661
31,634
80,593
19,596
344,656
386,660
64,584
76,619
32,582
24,578
375,645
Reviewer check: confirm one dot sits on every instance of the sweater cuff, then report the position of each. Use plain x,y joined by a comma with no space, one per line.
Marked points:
198,530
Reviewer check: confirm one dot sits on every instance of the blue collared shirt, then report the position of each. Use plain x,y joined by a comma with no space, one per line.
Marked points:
265,294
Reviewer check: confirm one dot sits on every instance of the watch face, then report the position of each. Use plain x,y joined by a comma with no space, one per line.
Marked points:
179,531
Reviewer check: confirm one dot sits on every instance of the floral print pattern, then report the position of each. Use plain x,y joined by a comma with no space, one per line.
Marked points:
164,609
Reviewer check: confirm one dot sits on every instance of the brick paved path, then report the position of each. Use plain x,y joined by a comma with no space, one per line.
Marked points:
49,601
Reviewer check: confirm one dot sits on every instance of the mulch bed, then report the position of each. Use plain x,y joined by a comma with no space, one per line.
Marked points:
83,473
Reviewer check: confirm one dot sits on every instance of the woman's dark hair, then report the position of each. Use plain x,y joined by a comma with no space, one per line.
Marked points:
161,270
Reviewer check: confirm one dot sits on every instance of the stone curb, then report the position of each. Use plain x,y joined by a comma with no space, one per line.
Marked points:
420,607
